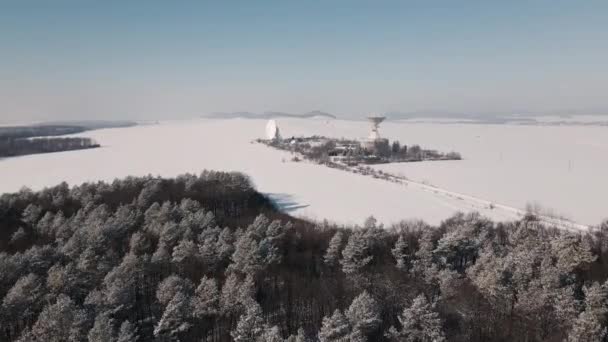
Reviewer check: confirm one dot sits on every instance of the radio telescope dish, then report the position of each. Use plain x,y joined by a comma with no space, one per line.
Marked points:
272,130
375,120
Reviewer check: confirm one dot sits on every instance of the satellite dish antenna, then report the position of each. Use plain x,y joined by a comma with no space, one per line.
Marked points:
375,120
272,130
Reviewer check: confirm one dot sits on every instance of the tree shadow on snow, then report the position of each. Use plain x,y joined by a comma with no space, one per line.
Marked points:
285,202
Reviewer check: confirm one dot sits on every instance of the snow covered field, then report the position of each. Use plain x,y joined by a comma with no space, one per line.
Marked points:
561,168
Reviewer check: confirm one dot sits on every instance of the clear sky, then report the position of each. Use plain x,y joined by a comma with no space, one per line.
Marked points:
167,59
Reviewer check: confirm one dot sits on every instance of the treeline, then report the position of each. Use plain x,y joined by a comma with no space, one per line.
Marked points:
18,147
402,153
207,258
17,141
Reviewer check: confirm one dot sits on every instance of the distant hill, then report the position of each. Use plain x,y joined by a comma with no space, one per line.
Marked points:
269,115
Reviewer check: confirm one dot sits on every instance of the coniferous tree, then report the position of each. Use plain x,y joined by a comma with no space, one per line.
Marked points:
24,298
250,326
335,328
127,333
225,246
206,299
357,336
271,335
364,313
400,253
587,328
596,300
18,236
139,243
420,323
332,254
572,252
356,254
230,296
61,321
170,286
103,329
246,258
175,319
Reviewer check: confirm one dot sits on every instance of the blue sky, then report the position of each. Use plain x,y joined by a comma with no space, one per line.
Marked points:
168,59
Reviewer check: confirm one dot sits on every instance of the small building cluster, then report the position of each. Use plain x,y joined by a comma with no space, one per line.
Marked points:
372,150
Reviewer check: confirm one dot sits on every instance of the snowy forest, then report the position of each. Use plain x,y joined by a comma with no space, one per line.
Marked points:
24,140
208,258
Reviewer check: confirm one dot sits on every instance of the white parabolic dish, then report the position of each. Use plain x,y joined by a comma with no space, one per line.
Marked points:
272,129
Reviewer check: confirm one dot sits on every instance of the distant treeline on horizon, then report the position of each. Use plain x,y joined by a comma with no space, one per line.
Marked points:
46,138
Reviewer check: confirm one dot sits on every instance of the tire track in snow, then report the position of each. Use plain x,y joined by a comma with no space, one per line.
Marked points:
479,203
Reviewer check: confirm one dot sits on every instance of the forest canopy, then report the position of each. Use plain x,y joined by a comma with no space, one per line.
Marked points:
208,258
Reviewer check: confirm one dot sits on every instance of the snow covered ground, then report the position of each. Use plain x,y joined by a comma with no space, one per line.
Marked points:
561,168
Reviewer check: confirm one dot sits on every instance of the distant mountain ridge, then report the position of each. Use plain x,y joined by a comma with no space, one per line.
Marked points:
269,115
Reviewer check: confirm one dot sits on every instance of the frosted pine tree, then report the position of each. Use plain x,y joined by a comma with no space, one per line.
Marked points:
139,243
250,326
424,254
247,289
335,328
357,336
62,321
259,226
596,300
23,300
225,244
587,328
271,247
356,254
565,306
170,286
590,324
31,214
271,335
246,258
364,313
400,253
332,255
170,234
419,322
120,284
18,236
206,298
127,333
229,298
161,256
175,319
370,223
184,252
103,329
208,248
572,252
270,252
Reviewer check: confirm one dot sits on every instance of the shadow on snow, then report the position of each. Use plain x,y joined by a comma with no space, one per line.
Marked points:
285,202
